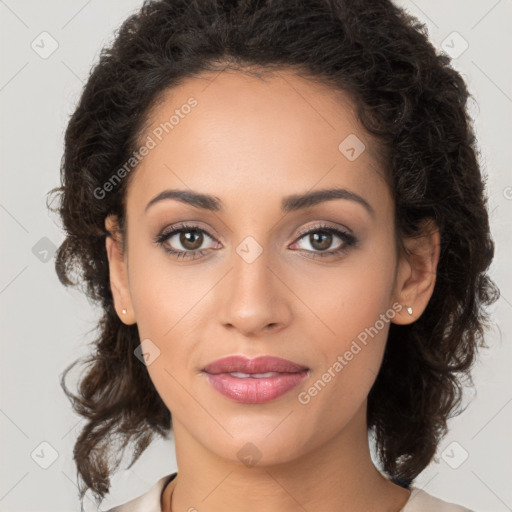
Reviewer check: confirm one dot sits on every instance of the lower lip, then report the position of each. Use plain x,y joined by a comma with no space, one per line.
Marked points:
253,390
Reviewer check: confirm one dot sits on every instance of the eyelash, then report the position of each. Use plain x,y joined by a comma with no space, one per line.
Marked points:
349,241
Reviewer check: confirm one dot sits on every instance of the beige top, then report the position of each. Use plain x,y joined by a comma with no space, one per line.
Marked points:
419,501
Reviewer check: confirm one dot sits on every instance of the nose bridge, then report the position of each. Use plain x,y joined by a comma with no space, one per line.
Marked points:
251,262
253,296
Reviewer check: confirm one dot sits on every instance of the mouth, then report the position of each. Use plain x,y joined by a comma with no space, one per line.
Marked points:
254,381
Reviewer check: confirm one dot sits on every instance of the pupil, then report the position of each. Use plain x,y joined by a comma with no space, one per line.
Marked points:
186,237
325,242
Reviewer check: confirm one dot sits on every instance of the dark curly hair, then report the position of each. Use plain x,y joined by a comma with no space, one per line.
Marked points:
414,106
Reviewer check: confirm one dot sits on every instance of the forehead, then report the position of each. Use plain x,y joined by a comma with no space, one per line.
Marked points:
230,134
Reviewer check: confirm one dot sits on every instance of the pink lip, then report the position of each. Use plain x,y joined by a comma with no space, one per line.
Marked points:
254,390
261,364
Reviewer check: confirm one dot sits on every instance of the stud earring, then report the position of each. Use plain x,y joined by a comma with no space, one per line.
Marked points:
124,311
409,310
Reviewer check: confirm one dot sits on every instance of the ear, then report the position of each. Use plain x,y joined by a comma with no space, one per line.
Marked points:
417,271
118,272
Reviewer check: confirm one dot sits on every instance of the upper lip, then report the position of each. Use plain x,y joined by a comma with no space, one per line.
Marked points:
262,364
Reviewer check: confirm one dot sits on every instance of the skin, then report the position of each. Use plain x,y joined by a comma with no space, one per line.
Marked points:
250,142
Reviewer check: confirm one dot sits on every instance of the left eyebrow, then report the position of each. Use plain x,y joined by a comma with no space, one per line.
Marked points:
299,201
288,204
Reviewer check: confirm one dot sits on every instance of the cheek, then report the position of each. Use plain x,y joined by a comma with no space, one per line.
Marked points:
356,312
162,292
170,384
168,307
339,389
351,363
342,303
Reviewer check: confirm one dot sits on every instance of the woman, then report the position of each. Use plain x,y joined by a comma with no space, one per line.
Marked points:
279,208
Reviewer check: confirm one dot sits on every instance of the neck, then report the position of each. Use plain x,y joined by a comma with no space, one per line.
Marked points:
338,472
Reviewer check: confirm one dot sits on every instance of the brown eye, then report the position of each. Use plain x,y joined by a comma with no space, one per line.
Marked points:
184,241
321,239
191,239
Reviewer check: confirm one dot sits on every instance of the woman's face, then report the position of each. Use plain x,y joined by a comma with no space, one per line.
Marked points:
258,271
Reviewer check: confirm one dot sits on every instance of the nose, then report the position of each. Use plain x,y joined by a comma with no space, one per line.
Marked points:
253,298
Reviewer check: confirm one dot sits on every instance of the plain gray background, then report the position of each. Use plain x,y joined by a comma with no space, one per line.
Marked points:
44,326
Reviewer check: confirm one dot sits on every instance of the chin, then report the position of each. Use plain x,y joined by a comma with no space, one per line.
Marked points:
262,446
